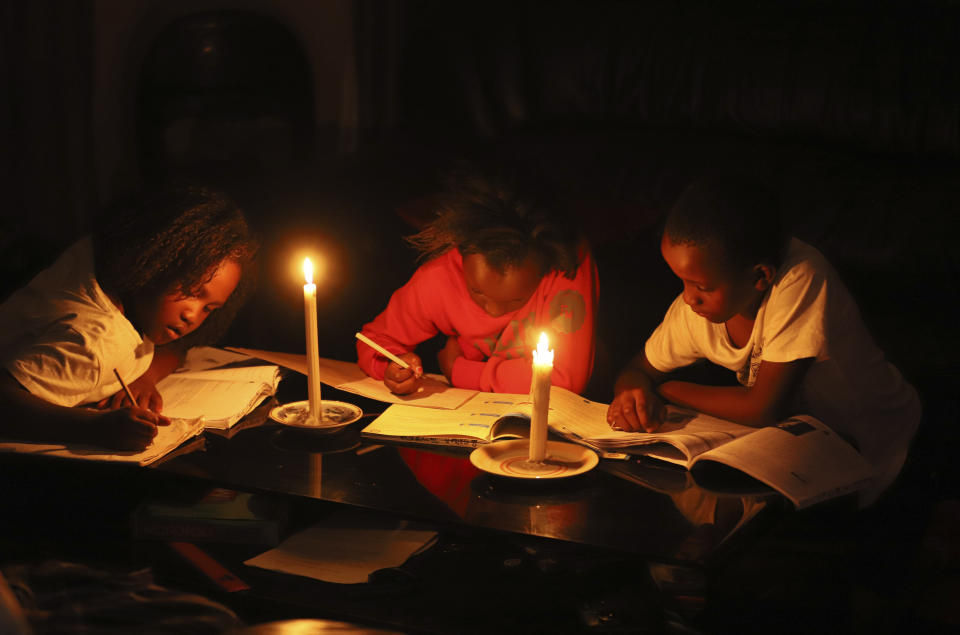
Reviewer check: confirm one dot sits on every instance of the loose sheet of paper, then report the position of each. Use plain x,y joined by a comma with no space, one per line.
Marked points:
345,548
207,357
434,392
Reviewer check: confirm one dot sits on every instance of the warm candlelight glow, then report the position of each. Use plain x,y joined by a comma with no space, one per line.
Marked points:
540,394
541,355
313,352
308,270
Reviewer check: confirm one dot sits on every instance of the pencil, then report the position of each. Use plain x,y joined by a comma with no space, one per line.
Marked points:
125,388
369,342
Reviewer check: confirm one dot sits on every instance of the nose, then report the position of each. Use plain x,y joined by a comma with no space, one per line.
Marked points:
191,314
691,297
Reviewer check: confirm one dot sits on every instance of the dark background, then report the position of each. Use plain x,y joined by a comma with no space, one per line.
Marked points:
330,121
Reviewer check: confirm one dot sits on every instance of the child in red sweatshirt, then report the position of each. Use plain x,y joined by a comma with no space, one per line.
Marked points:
498,270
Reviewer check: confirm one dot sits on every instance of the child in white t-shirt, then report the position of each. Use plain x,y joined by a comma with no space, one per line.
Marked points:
771,309
177,264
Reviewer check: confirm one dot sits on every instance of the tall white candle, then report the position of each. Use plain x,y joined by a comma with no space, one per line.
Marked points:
540,393
313,350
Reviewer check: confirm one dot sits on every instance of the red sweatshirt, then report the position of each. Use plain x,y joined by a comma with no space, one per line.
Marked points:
497,351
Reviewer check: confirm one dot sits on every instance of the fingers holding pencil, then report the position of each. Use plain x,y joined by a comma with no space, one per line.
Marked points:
408,361
400,380
404,371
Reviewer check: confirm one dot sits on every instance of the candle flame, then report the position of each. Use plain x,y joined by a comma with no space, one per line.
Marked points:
543,343
308,270
542,355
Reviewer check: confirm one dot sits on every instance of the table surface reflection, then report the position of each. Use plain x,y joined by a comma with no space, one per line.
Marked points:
653,510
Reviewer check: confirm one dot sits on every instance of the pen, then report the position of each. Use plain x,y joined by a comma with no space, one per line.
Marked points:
369,342
125,388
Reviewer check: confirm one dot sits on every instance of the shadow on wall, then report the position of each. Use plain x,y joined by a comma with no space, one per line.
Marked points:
222,96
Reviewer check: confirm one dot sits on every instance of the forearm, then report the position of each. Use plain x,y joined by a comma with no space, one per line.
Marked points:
734,403
633,377
638,374
29,417
400,328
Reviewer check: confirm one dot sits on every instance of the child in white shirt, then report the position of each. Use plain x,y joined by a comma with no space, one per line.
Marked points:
774,311
115,301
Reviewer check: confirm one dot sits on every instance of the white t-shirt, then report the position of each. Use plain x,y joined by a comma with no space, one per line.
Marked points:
61,336
808,313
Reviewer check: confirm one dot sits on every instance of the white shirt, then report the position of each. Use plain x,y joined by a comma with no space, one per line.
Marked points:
808,313
61,336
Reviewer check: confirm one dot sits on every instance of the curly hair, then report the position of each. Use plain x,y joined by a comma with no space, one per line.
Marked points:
735,214
490,216
171,241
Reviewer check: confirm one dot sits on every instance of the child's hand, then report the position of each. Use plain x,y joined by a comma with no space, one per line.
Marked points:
126,428
635,410
143,390
403,381
446,357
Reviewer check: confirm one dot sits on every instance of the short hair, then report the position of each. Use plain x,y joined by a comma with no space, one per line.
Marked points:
171,239
486,214
739,217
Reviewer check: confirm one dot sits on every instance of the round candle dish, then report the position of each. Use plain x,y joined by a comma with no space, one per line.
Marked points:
511,458
336,415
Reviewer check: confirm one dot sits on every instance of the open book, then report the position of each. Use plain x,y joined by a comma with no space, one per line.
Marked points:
220,386
801,458
484,418
213,389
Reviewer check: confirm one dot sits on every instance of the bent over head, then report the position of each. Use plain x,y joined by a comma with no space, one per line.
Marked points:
737,219
180,260
492,217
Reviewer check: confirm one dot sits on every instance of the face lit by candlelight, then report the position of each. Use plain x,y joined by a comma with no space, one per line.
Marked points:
715,291
176,314
500,292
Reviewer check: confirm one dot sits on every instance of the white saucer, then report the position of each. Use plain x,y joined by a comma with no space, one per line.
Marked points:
509,458
336,415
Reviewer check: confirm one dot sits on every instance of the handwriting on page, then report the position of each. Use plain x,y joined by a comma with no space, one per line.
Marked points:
217,400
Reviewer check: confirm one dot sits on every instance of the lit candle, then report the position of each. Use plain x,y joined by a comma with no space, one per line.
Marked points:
540,394
313,351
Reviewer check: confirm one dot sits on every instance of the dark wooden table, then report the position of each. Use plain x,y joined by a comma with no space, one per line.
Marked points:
608,546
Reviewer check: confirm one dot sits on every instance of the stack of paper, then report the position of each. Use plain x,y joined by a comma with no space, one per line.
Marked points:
222,394
346,548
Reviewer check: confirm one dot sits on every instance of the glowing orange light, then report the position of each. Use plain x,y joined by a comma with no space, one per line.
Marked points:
308,270
542,355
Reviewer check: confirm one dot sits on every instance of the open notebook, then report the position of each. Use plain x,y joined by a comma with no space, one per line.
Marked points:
800,457
213,390
221,386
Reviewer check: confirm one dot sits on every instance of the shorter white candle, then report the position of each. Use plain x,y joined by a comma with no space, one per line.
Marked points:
313,351
540,394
